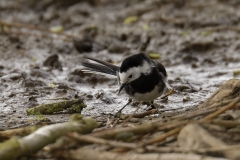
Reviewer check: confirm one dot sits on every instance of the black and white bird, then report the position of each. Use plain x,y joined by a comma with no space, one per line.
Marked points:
142,78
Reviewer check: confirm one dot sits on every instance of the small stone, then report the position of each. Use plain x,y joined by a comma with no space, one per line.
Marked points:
89,96
185,99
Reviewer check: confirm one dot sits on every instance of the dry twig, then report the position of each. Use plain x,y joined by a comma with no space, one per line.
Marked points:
91,139
89,153
220,111
141,115
162,137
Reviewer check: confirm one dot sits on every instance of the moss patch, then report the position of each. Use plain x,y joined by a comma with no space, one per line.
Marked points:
75,105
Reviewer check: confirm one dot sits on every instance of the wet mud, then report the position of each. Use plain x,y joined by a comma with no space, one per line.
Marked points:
198,43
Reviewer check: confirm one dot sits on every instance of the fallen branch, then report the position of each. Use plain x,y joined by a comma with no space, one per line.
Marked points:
176,130
139,129
16,147
217,149
221,110
17,132
141,115
95,140
195,137
153,148
172,125
89,153
162,137
194,114
226,123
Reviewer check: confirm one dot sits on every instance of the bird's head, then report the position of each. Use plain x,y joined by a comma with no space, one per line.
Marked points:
132,68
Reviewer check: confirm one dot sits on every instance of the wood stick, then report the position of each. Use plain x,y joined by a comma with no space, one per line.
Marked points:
96,140
141,115
89,153
162,137
18,147
168,94
194,114
18,132
221,110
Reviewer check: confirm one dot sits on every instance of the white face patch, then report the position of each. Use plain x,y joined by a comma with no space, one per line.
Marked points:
135,72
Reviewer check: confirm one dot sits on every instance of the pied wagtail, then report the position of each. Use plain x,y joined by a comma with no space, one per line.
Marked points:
142,78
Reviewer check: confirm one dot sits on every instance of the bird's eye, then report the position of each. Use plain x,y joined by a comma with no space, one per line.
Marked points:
130,76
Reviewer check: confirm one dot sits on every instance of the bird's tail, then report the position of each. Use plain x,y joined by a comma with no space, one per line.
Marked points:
100,67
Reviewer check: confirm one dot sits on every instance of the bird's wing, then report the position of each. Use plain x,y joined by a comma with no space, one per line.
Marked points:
160,68
100,66
162,71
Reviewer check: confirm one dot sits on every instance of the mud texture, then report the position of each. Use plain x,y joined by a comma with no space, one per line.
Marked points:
199,44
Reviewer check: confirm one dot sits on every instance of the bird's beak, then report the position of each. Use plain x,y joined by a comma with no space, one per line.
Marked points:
122,86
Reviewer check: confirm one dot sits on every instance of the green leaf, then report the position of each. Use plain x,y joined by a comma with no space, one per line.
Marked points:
154,55
130,20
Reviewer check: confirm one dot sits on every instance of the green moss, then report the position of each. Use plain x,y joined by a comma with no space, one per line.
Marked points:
33,128
77,108
9,148
31,111
236,72
75,105
76,117
42,118
54,107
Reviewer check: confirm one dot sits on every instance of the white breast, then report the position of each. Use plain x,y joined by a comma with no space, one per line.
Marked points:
147,97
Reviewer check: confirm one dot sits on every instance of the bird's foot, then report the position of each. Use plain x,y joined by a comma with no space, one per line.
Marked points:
118,114
151,106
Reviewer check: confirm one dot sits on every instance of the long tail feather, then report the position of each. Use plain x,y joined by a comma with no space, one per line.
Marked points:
98,68
111,66
102,67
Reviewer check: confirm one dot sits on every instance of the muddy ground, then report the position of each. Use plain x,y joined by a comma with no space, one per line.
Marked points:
198,43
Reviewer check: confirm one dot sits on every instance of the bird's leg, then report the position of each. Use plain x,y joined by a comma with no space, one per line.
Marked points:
151,106
131,115
118,113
